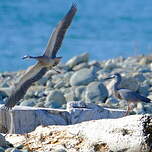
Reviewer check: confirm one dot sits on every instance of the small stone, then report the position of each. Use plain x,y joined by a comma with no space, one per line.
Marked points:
112,100
2,149
77,60
94,63
13,150
79,92
96,92
70,96
55,99
49,84
80,66
82,77
59,84
42,81
4,85
29,102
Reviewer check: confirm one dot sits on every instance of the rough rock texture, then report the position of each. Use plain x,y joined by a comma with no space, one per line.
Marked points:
127,134
82,77
26,119
96,92
3,142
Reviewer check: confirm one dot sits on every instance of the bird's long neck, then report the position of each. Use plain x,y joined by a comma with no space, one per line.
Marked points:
116,85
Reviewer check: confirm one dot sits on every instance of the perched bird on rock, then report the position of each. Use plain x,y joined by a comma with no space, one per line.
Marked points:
47,60
126,94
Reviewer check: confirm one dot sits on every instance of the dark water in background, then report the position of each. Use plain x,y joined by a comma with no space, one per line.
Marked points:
104,28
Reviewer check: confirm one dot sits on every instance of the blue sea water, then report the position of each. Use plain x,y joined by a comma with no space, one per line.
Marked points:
104,28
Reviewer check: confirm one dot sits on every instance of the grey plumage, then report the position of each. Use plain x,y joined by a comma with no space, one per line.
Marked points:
126,94
49,59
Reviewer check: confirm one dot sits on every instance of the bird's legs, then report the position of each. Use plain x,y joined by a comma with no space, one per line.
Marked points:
128,110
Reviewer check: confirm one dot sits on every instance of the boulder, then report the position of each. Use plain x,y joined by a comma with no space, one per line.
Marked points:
96,92
77,60
55,99
82,77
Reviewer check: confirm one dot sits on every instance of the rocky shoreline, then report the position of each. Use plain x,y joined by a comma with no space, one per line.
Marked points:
82,80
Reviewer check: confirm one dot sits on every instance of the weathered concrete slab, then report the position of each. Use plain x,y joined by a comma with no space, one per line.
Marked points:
23,119
26,119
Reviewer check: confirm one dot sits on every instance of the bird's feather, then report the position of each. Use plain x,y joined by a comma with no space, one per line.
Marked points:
32,74
57,36
132,96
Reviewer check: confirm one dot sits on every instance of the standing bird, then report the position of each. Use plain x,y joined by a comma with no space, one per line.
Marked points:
47,60
126,94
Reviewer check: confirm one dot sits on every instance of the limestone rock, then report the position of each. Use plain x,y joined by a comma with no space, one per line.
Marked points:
77,60
129,134
3,142
80,92
96,92
80,66
55,99
82,77
29,102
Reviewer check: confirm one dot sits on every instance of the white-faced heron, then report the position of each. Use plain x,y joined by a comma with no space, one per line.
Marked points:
48,59
126,94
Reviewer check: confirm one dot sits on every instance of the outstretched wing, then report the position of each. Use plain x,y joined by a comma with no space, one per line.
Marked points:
32,74
57,36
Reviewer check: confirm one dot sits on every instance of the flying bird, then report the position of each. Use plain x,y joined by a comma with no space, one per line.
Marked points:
126,94
47,60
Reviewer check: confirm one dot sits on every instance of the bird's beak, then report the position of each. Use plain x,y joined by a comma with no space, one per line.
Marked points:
108,78
25,57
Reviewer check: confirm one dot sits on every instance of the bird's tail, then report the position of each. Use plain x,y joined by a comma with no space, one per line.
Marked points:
146,100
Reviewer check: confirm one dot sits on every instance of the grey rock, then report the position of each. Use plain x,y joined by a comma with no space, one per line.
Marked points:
112,100
29,102
42,81
59,84
77,60
95,69
14,150
96,92
4,84
94,63
3,94
82,77
80,66
3,142
55,99
70,96
49,84
139,77
2,149
79,92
